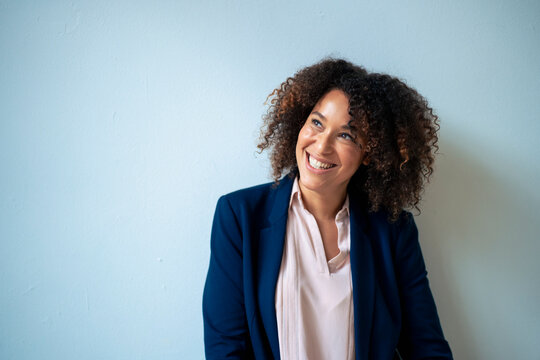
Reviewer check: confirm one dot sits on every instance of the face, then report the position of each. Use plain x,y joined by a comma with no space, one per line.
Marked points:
329,149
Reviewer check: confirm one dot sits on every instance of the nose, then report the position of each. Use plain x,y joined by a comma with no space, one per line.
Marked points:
324,143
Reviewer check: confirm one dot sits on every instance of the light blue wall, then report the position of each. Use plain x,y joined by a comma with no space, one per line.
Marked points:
122,122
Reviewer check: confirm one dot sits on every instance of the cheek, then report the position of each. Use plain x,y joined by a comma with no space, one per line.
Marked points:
354,157
303,137
306,133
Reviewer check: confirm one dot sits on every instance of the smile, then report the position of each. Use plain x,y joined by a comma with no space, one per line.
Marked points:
318,164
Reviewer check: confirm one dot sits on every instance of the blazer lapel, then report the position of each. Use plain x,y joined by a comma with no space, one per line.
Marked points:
269,254
363,279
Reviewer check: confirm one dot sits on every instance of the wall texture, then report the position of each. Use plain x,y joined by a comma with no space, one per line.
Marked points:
122,122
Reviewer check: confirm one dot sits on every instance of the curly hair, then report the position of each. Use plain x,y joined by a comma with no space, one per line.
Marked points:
400,130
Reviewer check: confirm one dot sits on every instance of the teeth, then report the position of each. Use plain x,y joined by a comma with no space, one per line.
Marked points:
317,164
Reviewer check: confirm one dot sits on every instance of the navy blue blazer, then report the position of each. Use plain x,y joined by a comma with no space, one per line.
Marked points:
393,305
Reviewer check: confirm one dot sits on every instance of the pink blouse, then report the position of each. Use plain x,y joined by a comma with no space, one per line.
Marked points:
314,304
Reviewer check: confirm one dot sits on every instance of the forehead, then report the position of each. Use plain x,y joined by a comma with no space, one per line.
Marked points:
334,103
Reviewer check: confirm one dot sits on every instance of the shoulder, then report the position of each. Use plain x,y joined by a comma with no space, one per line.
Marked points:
254,201
249,194
382,218
248,201
240,210
262,193
392,233
260,203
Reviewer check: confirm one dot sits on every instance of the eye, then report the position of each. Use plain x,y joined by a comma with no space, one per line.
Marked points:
316,122
347,136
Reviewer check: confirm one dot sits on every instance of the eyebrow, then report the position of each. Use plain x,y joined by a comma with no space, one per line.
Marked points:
348,126
319,114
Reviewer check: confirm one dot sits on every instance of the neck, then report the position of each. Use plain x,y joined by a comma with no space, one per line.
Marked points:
323,205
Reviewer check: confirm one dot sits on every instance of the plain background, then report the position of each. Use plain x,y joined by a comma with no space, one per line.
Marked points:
121,123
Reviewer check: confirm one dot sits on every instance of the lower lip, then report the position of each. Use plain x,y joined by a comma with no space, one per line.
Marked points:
317,171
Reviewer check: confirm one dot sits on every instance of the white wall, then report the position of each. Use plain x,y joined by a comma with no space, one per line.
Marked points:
122,122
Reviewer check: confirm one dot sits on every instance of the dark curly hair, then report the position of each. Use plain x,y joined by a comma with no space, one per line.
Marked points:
400,130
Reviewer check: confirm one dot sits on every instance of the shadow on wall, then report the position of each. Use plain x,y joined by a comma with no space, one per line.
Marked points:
478,235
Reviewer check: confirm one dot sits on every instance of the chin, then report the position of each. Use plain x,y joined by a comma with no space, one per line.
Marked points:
309,182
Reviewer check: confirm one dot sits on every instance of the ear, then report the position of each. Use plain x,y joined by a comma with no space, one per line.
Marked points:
365,161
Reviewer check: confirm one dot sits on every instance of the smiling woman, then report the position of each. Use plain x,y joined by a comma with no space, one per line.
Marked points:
325,263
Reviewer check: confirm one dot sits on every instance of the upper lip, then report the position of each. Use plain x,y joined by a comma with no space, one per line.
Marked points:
320,159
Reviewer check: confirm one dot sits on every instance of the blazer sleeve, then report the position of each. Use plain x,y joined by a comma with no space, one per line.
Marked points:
226,333
421,335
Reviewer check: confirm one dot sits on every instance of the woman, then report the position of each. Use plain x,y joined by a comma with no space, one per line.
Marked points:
325,263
